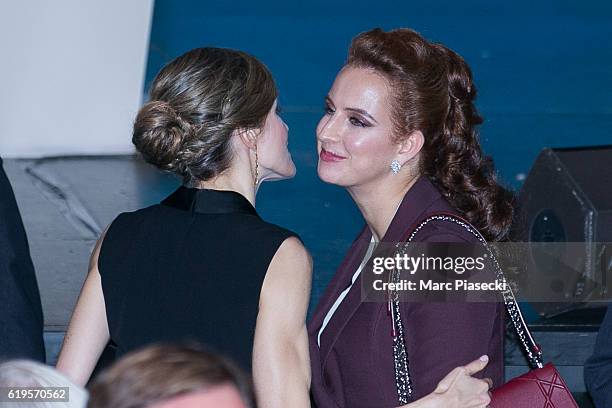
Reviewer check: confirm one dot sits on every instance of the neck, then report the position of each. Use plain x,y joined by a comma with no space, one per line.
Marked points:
378,203
232,181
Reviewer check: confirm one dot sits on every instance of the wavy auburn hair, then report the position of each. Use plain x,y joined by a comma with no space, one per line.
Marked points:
432,91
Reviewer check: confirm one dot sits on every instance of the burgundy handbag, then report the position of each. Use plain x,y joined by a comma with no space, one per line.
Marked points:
541,387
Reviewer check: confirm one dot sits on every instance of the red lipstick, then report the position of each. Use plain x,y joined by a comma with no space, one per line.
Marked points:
329,156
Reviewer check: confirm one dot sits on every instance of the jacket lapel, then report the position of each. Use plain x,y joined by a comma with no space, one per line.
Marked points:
340,281
413,207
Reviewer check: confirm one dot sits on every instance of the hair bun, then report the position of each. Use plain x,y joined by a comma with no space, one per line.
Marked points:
159,134
197,101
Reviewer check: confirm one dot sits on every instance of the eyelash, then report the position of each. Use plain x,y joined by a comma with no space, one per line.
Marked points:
354,121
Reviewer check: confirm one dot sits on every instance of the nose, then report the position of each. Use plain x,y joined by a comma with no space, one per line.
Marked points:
327,130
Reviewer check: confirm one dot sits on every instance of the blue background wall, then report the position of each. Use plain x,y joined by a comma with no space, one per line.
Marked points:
543,71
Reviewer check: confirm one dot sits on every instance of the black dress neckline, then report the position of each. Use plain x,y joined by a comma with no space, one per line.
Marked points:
209,201
188,268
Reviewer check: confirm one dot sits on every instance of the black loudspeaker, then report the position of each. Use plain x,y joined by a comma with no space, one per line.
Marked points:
567,200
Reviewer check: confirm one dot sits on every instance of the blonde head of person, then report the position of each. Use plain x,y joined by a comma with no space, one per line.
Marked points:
172,376
30,374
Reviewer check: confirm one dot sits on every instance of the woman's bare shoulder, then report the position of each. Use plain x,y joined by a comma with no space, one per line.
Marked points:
293,251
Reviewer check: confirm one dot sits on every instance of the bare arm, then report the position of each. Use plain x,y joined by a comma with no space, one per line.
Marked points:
281,361
87,333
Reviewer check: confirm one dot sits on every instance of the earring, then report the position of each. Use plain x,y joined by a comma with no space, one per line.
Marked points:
256,167
395,166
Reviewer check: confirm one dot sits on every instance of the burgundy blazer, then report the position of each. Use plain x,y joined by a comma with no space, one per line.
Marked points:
354,365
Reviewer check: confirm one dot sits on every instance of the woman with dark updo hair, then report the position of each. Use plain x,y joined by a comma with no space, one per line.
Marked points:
400,134
202,265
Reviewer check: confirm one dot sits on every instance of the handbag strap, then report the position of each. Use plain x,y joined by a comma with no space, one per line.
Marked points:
402,376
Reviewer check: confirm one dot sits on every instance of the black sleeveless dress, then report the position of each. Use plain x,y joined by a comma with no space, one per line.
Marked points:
190,268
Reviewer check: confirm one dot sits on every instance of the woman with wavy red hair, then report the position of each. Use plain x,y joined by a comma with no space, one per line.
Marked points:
400,134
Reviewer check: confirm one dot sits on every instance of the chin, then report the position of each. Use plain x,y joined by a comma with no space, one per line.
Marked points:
329,176
291,169
292,172
287,173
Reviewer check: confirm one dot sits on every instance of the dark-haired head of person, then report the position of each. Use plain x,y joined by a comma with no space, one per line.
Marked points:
212,118
171,376
400,98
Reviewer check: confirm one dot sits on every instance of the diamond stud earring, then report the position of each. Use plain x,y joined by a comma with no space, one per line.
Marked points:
395,166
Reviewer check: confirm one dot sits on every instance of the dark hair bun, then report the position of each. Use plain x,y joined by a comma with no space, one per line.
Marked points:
159,134
197,102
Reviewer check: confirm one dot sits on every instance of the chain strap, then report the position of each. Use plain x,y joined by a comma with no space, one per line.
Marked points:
403,382
402,375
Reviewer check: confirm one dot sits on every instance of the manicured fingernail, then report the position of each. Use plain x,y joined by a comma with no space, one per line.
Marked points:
484,358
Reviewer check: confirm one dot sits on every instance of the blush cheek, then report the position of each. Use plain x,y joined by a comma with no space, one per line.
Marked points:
366,152
357,146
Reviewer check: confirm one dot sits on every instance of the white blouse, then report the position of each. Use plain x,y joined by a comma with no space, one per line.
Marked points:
332,310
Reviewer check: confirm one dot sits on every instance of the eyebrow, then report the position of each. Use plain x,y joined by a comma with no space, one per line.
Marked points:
357,110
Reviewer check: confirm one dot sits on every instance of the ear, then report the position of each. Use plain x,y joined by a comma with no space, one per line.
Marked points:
248,137
410,147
